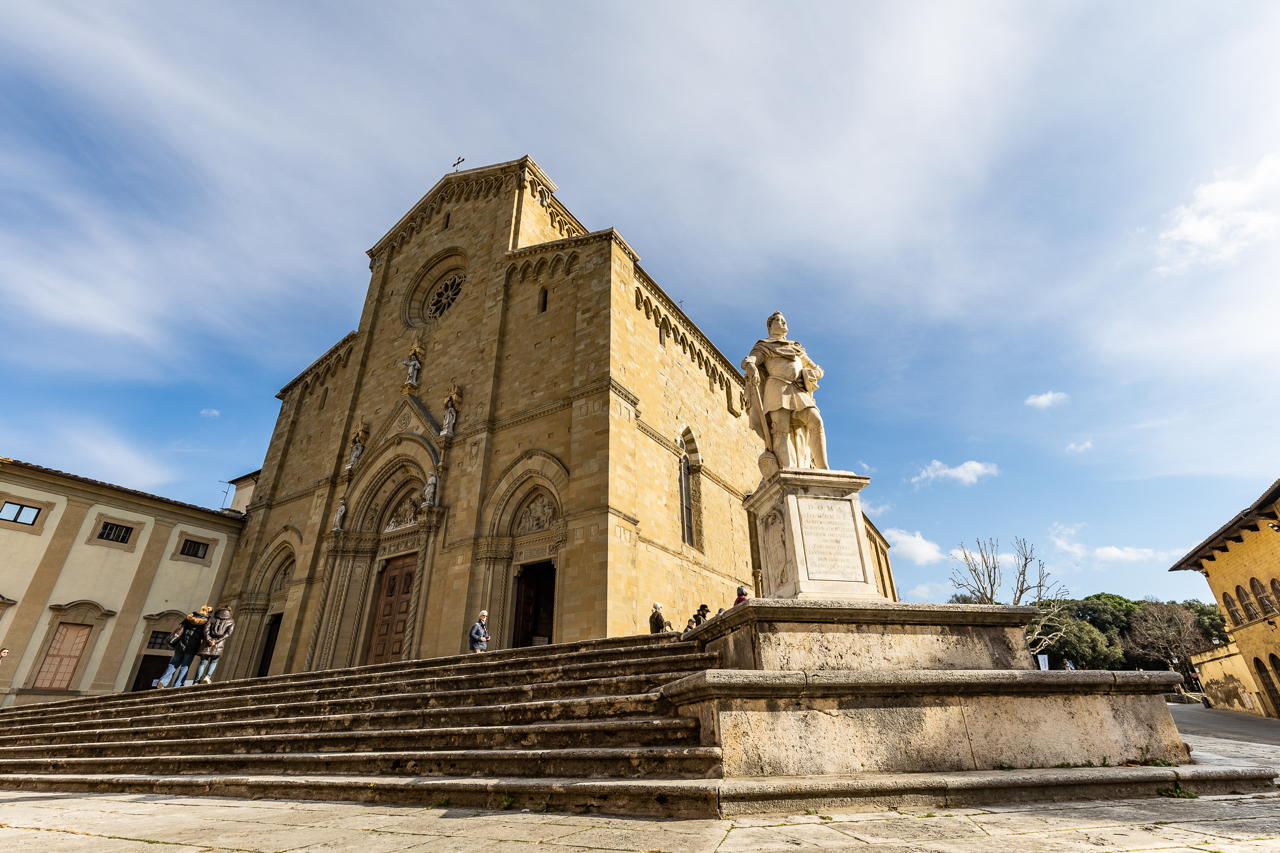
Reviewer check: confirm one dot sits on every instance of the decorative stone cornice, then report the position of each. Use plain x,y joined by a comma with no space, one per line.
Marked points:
604,235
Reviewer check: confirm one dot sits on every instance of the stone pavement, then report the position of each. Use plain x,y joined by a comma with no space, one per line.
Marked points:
39,821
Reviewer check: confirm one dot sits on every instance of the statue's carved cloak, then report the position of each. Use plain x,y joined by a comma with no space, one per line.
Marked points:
787,380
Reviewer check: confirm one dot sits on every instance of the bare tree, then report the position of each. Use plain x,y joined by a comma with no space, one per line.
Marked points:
979,577
1165,632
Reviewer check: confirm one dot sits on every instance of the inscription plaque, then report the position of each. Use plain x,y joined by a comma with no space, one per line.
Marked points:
830,539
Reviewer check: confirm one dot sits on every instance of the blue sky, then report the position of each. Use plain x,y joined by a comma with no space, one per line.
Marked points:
1033,244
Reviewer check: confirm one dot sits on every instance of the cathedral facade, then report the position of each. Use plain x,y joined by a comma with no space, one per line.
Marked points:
523,422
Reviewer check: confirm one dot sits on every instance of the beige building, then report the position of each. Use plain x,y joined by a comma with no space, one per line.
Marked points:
523,422
93,577
1241,562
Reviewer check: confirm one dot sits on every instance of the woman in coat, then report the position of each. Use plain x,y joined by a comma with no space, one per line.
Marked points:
215,636
184,641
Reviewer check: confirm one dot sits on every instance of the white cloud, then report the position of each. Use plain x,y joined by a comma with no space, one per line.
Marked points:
1126,554
914,547
1225,217
866,469
966,473
210,413
876,510
1080,446
931,591
1047,400
1063,537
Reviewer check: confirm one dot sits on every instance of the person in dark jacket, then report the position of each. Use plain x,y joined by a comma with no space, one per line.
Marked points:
702,614
184,641
479,635
657,622
216,631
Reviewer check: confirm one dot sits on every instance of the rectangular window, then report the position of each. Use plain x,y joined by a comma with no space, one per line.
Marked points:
192,548
19,513
157,640
115,532
59,664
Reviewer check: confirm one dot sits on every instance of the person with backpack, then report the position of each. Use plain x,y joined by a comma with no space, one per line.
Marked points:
213,638
185,641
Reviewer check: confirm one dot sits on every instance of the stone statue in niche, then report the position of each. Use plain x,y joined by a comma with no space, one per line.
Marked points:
357,447
536,515
340,515
781,379
413,368
429,491
451,404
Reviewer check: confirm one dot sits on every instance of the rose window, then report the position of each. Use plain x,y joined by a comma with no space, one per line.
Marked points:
444,296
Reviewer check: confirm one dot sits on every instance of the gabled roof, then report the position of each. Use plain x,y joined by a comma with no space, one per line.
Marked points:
1249,517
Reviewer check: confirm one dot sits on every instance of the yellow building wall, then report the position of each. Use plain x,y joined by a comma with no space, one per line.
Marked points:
1228,681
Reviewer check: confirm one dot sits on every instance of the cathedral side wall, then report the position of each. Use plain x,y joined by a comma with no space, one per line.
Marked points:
686,400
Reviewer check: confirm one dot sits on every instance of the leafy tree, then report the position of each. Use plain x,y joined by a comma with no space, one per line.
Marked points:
1210,620
1107,612
1086,646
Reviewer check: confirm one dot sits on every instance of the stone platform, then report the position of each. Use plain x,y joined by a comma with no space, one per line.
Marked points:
772,707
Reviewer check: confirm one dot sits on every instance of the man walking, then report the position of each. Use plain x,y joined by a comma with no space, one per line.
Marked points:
480,633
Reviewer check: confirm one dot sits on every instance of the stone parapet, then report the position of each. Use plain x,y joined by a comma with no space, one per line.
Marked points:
788,634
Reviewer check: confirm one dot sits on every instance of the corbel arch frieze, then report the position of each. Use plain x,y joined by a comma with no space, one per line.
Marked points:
532,469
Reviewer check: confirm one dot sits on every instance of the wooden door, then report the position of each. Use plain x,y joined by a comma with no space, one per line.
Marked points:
391,610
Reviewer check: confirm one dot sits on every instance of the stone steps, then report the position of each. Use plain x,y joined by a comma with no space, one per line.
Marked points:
173,740
683,797
629,677
680,762
580,711
497,667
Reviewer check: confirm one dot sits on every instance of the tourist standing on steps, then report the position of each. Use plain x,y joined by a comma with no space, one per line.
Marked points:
480,633
215,634
185,641
690,626
742,596
657,622
702,614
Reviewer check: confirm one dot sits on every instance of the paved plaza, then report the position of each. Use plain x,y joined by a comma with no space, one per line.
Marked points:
41,821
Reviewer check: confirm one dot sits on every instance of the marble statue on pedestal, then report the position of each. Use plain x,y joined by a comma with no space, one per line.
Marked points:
781,379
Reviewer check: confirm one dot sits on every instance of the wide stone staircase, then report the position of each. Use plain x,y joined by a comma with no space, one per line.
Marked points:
567,726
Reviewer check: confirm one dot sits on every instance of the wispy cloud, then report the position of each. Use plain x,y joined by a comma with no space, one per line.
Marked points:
1064,538
1080,446
966,473
930,591
1225,217
1047,400
876,510
913,547
210,413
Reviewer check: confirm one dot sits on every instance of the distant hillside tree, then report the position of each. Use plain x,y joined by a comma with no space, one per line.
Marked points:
1210,620
979,578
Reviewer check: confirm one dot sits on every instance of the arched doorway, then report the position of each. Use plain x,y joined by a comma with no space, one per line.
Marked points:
533,621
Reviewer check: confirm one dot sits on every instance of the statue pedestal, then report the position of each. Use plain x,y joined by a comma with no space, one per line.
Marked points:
811,538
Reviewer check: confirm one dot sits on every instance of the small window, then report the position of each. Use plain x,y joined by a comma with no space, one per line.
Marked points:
19,513
192,548
542,301
686,501
115,532
157,640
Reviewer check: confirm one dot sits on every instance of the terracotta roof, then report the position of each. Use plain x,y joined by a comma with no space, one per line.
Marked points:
1253,513
30,466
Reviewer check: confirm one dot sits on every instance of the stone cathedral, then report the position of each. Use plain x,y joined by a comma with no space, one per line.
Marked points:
523,422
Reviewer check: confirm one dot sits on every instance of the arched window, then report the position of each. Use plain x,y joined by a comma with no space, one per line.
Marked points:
1275,590
686,500
1250,609
1233,612
542,301
690,491
1268,685
1264,598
